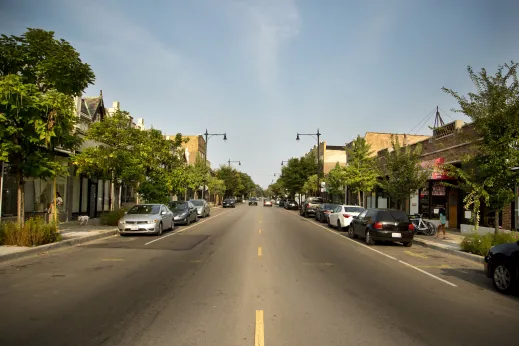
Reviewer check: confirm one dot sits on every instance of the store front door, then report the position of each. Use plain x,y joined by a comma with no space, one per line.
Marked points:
453,208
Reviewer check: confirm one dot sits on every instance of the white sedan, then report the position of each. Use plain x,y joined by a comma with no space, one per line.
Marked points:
342,216
267,203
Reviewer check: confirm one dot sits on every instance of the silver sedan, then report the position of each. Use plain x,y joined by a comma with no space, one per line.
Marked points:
146,218
202,207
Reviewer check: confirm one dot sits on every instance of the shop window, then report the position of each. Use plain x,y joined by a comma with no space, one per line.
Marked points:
76,186
99,195
424,202
9,196
107,195
439,198
84,195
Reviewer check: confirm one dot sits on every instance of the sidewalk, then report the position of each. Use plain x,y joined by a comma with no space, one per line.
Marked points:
449,245
72,233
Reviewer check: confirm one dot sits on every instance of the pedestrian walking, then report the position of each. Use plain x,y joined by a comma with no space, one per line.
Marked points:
443,222
51,211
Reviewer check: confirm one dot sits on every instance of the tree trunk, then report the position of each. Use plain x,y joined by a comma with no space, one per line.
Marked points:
21,197
496,222
120,195
358,199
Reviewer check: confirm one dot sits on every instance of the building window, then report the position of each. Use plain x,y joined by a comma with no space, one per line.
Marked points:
99,195
76,186
84,195
106,197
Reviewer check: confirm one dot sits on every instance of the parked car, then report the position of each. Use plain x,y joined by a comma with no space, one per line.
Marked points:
310,205
253,201
229,203
281,203
502,266
291,205
383,225
267,203
146,218
342,216
321,213
202,207
184,212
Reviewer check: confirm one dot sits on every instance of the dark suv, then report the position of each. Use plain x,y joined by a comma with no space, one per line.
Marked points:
229,203
383,225
310,205
253,201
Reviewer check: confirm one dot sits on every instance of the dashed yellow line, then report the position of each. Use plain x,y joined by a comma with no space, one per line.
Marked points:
259,337
319,263
112,259
259,231
443,266
414,254
259,251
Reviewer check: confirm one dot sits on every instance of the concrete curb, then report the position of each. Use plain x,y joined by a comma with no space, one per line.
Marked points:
465,255
55,246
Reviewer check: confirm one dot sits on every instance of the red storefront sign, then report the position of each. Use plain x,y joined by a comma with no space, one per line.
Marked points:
437,172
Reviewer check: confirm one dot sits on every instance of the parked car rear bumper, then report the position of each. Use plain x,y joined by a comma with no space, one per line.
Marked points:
388,236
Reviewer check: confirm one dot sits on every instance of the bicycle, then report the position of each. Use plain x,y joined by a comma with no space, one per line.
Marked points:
421,226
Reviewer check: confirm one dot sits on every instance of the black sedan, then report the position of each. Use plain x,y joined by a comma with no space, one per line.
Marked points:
291,205
184,212
229,203
502,266
382,225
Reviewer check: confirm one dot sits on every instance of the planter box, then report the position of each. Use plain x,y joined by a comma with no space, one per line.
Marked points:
469,229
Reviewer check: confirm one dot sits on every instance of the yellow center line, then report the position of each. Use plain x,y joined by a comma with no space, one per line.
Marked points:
113,259
259,251
443,266
259,337
259,231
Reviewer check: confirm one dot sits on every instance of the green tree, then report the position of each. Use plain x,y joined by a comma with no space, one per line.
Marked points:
336,179
228,175
198,174
361,172
118,154
310,186
216,186
402,173
494,111
39,75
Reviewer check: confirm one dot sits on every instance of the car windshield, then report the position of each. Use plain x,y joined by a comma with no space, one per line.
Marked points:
353,209
145,209
179,205
228,200
197,202
315,200
392,216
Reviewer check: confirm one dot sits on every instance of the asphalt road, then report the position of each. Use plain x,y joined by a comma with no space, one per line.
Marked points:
250,276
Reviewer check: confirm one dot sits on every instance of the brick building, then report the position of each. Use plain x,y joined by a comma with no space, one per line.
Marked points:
449,144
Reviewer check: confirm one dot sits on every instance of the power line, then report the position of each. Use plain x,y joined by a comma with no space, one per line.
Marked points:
422,121
444,112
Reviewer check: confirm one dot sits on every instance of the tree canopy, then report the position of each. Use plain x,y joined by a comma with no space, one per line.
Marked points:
39,75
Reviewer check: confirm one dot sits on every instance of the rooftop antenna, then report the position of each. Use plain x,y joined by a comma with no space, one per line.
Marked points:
438,121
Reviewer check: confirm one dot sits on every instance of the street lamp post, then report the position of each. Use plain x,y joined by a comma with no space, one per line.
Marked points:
316,136
238,162
207,136
282,162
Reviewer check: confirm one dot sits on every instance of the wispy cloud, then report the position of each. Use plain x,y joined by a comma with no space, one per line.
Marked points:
268,24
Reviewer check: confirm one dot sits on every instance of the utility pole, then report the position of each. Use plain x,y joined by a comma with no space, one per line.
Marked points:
318,134
207,136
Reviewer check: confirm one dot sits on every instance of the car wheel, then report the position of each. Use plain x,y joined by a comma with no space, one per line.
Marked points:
159,232
351,232
503,278
408,243
369,240
339,228
188,221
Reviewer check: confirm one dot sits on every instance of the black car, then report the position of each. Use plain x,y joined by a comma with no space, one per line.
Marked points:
281,203
383,225
321,214
502,266
183,212
229,203
253,201
291,205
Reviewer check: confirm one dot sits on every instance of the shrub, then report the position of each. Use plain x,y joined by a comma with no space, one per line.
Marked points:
112,218
34,232
480,244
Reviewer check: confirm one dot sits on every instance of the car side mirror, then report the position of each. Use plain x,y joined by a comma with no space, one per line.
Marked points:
163,212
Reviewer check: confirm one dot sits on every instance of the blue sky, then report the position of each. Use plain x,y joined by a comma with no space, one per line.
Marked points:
264,70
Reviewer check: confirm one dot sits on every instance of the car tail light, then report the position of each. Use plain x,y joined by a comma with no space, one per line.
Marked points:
346,215
308,205
378,225
411,227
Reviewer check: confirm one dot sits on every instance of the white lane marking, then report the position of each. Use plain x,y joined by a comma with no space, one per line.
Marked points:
185,229
380,252
427,273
